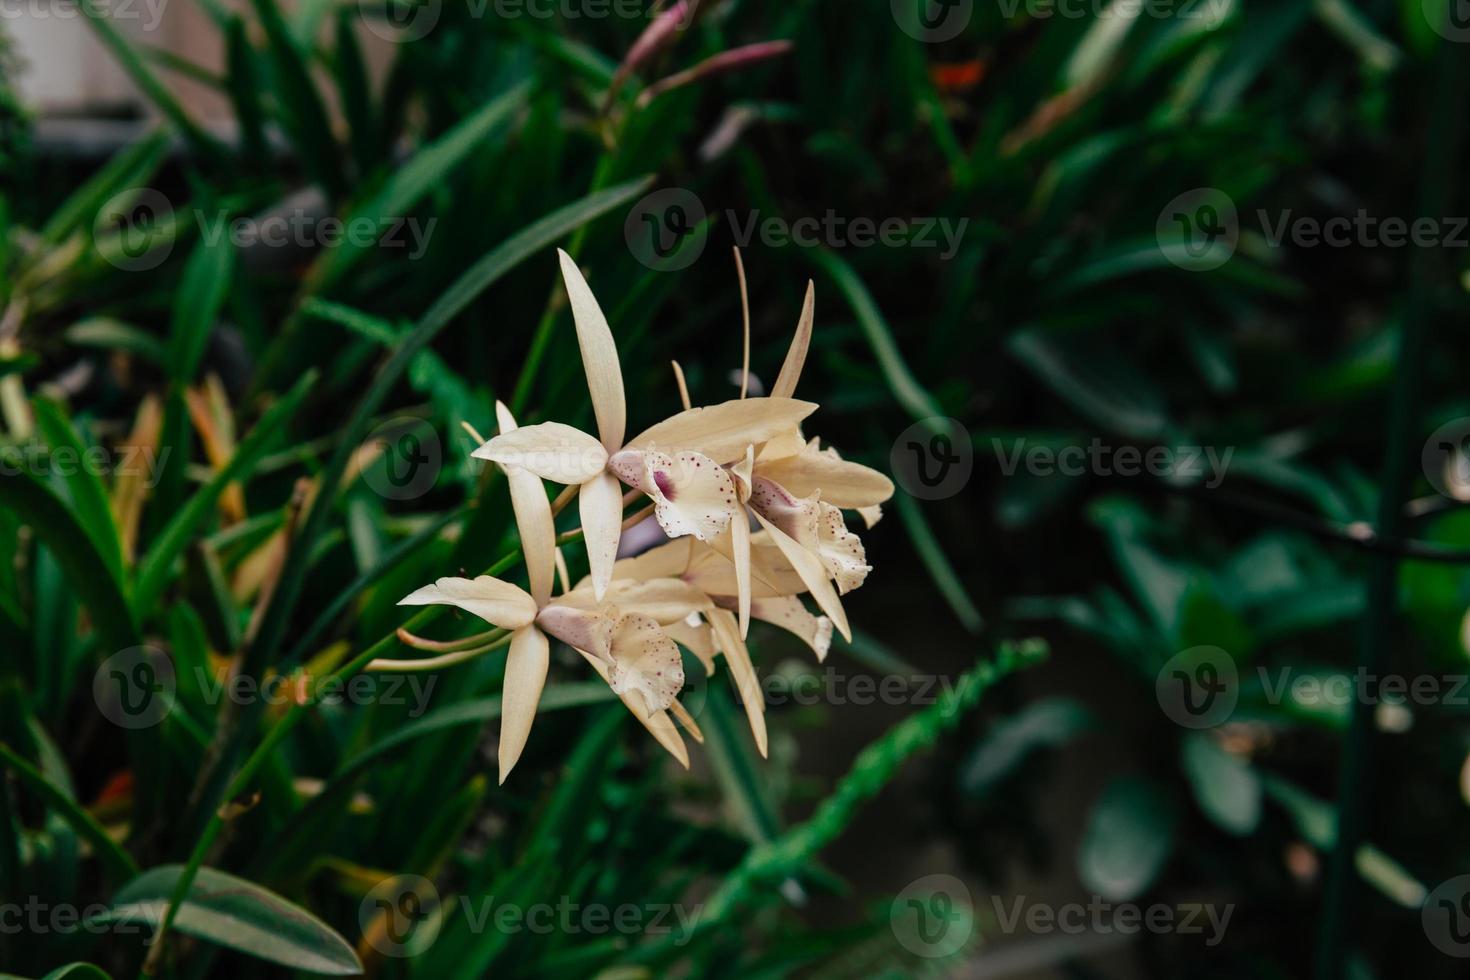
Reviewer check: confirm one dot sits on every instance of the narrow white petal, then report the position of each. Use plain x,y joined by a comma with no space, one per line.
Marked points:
742,671
552,451
599,357
533,519
525,676
790,374
601,503
497,603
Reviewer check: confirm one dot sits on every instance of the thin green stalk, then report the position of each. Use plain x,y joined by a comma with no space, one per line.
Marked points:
1427,277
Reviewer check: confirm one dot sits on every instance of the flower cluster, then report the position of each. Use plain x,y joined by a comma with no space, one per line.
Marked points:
754,512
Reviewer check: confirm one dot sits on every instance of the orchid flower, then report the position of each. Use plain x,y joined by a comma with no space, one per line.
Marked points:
628,648
678,462
796,492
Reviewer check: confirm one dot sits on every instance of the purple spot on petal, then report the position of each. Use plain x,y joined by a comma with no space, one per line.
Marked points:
665,484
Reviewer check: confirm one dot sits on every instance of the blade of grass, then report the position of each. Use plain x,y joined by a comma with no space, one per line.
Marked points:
84,484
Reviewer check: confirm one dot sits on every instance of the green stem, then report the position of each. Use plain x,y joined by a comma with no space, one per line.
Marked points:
1427,277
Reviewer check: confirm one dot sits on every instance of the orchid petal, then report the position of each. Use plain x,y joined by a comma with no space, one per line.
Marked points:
646,661
692,494
670,560
788,613
743,672
722,431
841,483
497,603
599,357
533,519
587,630
665,600
840,550
697,638
658,723
601,503
525,676
552,451
870,515
790,374
813,573
740,539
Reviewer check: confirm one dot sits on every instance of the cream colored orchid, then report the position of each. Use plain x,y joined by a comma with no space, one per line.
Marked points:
677,463
627,647
797,491
709,472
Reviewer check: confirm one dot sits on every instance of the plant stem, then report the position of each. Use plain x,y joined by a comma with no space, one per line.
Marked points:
1427,276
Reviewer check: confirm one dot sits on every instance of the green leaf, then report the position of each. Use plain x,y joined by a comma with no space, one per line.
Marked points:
243,82
429,168
905,387
154,569
305,116
118,862
197,304
77,971
58,528
106,333
1227,789
132,63
1129,836
1101,386
129,167
1048,723
83,484
240,915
